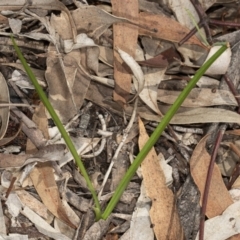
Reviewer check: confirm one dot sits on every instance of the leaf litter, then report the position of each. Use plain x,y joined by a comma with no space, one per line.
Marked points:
99,64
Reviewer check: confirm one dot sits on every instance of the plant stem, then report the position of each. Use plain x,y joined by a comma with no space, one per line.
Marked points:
60,126
157,133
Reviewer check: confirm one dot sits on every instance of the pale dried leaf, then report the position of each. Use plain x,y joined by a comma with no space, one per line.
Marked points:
15,25
20,80
197,115
14,204
42,226
163,213
140,223
224,226
218,198
205,115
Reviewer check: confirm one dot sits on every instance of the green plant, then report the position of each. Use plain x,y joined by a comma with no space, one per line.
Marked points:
158,131
142,154
60,126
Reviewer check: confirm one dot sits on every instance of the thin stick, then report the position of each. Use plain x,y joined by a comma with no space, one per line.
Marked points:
208,181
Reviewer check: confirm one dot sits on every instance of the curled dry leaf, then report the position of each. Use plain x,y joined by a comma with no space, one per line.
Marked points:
220,66
136,70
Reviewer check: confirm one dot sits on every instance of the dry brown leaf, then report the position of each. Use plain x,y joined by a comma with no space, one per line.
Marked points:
40,119
67,84
125,38
219,198
165,28
163,213
43,179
